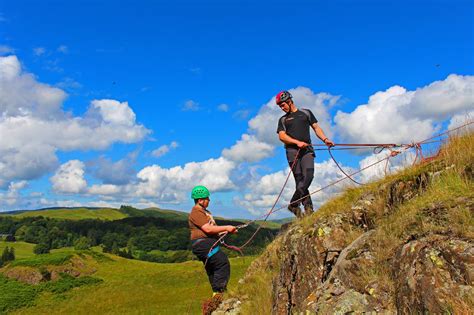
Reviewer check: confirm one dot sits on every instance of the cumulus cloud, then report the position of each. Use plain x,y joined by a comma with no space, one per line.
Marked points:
397,115
69,178
261,133
105,189
174,184
462,119
248,149
36,126
120,172
191,105
22,95
12,196
114,112
384,168
164,149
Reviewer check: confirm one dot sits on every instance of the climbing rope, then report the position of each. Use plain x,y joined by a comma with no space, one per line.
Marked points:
377,148
402,148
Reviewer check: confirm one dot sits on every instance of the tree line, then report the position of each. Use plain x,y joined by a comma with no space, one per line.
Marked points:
129,237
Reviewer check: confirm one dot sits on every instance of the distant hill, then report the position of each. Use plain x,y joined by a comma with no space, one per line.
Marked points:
81,213
71,213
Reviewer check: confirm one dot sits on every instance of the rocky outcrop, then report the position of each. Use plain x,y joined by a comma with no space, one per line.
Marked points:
27,275
336,263
307,257
435,275
76,266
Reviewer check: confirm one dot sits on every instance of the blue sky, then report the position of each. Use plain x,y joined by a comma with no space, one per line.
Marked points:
196,77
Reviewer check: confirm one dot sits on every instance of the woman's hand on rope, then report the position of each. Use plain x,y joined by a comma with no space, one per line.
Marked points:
328,142
231,229
302,144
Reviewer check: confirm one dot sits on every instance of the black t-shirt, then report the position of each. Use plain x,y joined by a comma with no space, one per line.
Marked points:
297,125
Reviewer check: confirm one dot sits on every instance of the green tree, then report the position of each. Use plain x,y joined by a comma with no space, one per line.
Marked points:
115,249
82,243
12,254
8,254
41,248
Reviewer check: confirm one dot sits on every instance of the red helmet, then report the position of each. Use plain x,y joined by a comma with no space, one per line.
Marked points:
283,96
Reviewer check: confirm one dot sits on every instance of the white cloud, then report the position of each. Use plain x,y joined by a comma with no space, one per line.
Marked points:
106,189
262,134
39,51
69,178
12,196
441,99
383,168
462,119
36,126
116,173
248,149
164,149
223,107
22,95
191,105
5,50
174,184
397,115
114,112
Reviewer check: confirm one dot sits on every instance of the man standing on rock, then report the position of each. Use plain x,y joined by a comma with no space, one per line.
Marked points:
204,235
293,131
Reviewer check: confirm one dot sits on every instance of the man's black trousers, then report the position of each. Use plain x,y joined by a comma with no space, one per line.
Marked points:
217,266
303,172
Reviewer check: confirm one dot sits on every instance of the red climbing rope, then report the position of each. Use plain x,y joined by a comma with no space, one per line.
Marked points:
346,146
376,146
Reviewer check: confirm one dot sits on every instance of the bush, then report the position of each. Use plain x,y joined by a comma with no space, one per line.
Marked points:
55,259
41,248
8,254
82,243
67,282
15,294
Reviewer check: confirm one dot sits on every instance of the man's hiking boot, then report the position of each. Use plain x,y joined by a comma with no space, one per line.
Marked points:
308,210
210,305
296,211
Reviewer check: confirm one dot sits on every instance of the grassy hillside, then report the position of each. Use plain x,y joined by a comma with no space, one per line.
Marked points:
119,286
74,214
22,249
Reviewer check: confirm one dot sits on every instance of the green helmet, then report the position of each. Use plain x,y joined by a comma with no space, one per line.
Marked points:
200,192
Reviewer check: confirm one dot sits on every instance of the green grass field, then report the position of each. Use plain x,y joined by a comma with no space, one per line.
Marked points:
75,214
22,249
130,287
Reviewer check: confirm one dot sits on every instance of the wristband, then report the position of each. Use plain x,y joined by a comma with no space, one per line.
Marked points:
325,140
